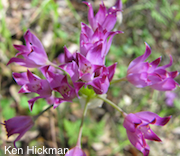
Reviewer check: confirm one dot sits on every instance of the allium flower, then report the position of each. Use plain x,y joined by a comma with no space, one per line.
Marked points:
95,45
18,125
105,18
142,74
138,129
32,83
102,77
76,151
59,83
33,53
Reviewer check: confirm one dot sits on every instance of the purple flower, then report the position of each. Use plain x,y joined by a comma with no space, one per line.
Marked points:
32,83
59,83
18,124
33,53
105,18
95,45
76,151
102,77
86,68
142,74
138,129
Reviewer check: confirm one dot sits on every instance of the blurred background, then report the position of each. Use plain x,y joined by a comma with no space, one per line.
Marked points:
57,23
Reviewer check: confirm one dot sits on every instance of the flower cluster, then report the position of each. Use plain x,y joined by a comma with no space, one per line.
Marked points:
138,129
142,74
85,70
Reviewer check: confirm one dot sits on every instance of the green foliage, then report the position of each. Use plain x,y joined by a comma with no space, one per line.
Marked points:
72,129
6,42
7,111
161,15
91,130
176,104
115,91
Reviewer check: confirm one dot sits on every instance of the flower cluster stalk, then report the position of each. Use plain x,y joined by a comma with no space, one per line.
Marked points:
113,105
81,126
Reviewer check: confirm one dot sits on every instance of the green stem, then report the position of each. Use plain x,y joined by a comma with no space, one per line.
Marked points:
118,80
35,117
113,105
81,126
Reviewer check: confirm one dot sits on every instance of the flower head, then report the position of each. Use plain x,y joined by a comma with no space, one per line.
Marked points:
138,129
33,53
142,74
33,84
18,124
95,45
104,17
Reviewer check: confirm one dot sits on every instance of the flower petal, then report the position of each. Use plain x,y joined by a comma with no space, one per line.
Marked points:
153,118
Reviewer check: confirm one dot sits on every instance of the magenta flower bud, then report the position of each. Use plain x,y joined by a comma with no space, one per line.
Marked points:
18,125
33,53
142,74
138,129
76,151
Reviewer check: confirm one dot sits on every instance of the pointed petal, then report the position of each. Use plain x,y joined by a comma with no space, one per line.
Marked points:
118,5
138,141
21,78
85,29
107,42
58,101
33,40
101,14
141,58
154,64
109,22
173,74
22,49
111,70
149,134
23,62
91,19
68,56
32,101
153,118
166,85
32,77
168,65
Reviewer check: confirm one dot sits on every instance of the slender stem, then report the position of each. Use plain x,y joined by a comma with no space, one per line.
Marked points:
118,80
81,126
113,105
35,117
